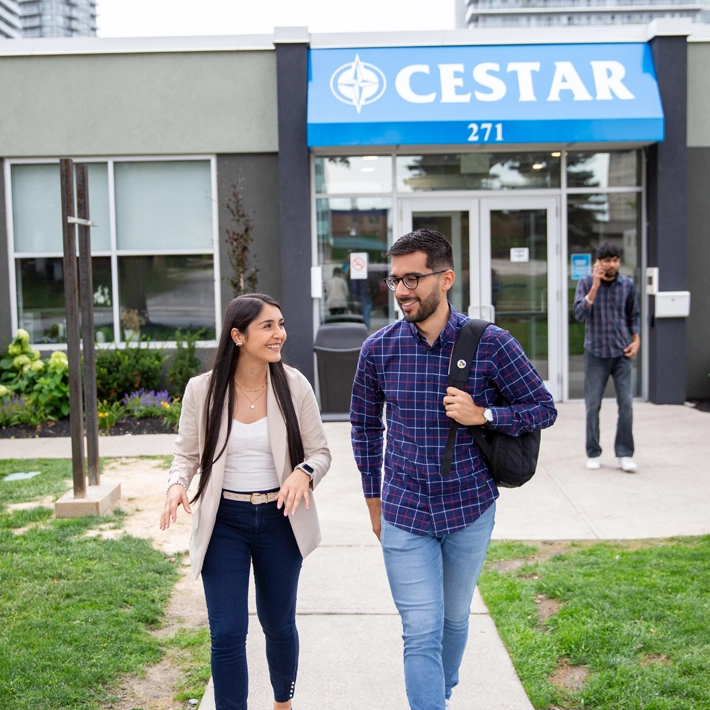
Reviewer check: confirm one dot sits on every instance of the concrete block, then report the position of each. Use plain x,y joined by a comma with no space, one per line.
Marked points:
98,501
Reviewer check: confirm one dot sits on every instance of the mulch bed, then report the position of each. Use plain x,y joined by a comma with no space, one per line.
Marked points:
702,405
61,428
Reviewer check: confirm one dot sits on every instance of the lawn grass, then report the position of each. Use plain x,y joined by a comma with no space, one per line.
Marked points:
76,610
608,626
190,650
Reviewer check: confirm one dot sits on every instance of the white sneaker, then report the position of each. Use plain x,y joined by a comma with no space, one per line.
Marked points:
626,463
594,463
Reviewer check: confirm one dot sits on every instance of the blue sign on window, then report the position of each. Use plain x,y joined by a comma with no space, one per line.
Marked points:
581,266
481,95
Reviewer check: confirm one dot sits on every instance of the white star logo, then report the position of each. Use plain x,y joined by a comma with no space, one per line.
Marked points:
358,83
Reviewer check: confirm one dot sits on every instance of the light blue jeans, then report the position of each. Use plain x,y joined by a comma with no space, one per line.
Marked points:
432,581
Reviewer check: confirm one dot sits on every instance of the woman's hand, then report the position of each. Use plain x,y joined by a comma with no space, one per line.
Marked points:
177,495
295,487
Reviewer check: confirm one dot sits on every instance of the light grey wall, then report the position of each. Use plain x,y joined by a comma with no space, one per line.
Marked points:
698,332
260,191
5,322
698,94
138,104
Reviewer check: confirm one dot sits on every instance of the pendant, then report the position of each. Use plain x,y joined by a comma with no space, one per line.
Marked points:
252,407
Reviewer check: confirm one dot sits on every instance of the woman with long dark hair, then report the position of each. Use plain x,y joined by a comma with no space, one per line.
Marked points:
252,428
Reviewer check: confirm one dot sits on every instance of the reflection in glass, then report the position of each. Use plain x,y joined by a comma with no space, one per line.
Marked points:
455,227
40,299
519,280
618,169
354,225
369,173
593,219
163,204
167,292
478,171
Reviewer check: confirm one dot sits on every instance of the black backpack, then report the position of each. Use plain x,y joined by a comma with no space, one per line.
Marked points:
511,460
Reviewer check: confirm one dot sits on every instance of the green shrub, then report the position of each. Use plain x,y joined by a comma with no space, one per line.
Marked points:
120,372
109,414
171,413
184,363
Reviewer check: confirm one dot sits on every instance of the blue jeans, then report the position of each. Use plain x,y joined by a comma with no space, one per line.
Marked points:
597,371
246,534
432,581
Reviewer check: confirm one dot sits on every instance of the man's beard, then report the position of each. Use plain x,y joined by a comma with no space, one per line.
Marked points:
611,274
427,308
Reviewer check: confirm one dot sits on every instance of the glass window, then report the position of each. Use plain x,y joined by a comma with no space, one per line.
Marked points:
361,225
163,205
40,299
37,207
167,293
369,173
478,171
619,169
594,219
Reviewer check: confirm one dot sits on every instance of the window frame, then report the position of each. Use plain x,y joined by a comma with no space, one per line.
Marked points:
113,252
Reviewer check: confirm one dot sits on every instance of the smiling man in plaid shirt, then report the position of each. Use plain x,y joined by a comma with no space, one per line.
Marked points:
434,530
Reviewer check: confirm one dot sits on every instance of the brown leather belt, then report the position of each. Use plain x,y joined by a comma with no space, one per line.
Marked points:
253,498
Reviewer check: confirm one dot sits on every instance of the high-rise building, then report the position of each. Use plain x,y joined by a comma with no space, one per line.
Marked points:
10,25
57,18
549,13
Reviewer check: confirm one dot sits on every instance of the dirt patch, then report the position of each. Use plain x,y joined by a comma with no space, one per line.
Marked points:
142,499
54,429
568,678
654,658
546,608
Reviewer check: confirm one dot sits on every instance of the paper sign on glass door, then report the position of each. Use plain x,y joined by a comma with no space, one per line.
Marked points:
520,254
358,265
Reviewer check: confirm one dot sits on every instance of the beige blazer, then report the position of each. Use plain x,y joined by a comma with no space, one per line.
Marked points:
190,443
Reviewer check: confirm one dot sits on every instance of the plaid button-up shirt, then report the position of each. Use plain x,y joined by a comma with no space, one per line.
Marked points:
397,367
612,319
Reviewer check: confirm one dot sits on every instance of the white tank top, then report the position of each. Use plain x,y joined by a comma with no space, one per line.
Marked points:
249,466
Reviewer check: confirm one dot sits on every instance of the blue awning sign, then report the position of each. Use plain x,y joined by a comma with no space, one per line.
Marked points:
501,94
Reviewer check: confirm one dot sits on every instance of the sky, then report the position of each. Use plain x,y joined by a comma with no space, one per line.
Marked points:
157,18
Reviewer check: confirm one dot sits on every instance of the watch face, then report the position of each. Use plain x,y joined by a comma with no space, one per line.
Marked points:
307,468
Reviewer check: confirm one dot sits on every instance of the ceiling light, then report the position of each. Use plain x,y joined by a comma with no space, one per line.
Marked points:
556,154
369,157
538,166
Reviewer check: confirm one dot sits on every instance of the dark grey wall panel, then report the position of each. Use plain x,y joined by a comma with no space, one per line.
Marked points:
667,220
5,322
698,332
260,192
295,207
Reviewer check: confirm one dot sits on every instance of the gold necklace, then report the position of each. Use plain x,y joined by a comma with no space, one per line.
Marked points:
252,402
246,389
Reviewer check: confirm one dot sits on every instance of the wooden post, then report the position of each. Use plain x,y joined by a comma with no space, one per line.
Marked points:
86,296
71,288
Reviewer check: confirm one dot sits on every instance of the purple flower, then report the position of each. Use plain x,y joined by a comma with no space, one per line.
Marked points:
144,402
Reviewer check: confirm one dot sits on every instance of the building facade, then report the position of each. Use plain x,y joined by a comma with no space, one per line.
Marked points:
10,24
526,154
478,14
58,18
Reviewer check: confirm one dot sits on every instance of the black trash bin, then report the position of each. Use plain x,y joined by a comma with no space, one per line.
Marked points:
337,350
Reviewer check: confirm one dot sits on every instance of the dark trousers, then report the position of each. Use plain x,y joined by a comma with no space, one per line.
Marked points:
246,534
597,371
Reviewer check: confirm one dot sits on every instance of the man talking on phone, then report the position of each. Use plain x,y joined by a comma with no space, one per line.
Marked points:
606,303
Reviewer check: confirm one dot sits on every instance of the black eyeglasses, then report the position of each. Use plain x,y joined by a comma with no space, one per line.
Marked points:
411,281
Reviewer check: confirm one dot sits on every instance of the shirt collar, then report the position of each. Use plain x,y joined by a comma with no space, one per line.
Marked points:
447,335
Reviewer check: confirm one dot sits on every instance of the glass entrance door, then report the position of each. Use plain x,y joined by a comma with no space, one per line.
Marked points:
506,268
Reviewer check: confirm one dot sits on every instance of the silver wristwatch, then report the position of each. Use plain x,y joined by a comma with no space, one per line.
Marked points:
488,416
307,468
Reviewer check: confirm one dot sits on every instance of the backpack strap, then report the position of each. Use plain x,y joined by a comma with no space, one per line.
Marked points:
462,358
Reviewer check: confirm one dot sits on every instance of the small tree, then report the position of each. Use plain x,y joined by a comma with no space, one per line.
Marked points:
239,238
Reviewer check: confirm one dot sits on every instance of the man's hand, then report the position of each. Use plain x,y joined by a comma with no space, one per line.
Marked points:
633,347
460,407
295,487
374,505
597,274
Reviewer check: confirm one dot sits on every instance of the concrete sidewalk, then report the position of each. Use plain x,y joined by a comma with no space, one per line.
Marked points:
350,631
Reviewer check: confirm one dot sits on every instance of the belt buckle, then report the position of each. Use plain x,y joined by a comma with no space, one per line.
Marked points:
258,502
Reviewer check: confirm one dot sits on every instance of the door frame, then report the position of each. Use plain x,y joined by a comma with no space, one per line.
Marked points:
479,208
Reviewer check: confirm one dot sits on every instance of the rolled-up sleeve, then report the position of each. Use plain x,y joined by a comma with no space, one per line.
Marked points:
368,428
531,406
186,451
